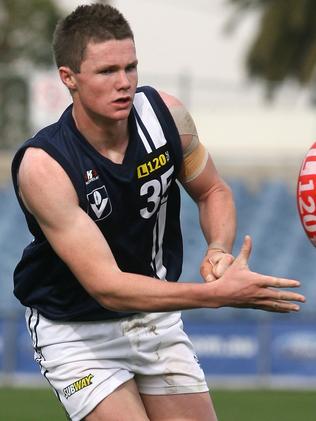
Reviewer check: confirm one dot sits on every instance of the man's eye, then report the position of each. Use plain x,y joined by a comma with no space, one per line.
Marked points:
131,67
107,71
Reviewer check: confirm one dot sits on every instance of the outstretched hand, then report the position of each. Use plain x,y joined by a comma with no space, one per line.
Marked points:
240,287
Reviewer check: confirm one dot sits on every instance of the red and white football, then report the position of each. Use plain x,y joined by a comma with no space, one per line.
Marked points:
306,194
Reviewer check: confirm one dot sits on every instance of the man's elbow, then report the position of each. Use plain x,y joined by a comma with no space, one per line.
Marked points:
111,294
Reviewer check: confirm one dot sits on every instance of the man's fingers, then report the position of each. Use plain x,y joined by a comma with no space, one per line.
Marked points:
245,251
279,306
223,264
210,278
272,281
207,271
270,288
276,306
283,295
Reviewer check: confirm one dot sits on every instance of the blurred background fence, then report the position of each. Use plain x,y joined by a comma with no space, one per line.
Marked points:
258,147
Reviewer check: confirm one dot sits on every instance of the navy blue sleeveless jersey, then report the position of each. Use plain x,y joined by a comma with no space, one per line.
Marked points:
135,205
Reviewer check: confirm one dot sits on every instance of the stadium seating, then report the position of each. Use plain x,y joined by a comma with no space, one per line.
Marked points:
13,237
280,246
268,214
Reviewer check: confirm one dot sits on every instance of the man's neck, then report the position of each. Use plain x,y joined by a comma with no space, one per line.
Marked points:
109,138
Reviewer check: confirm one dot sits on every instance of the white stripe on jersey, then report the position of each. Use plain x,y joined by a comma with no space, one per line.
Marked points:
143,138
161,220
156,255
146,113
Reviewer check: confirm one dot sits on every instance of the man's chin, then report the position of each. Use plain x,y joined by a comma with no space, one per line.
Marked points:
121,114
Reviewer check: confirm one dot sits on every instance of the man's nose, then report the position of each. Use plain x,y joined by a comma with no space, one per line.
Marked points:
123,81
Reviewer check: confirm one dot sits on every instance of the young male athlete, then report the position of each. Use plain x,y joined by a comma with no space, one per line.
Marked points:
99,193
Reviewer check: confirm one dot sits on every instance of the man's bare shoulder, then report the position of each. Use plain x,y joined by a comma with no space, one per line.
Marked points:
43,181
37,164
170,100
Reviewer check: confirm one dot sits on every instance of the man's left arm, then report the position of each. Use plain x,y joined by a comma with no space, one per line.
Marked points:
213,196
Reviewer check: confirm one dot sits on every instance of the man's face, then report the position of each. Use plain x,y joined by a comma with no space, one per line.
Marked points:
106,84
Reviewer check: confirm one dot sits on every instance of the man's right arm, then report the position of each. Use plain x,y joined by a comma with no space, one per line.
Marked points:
49,195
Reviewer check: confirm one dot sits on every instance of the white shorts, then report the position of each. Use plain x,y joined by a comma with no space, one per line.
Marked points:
86,361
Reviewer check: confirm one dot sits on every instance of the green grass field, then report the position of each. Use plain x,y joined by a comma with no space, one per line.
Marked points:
231,405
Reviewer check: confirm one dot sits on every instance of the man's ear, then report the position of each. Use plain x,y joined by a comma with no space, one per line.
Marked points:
67,77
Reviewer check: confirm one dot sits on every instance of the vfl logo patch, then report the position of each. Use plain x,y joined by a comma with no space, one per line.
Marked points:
100,203
77,386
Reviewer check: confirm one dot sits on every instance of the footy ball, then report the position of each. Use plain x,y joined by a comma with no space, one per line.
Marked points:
306,194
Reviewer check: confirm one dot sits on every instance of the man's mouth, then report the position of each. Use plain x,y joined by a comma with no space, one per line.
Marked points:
123,100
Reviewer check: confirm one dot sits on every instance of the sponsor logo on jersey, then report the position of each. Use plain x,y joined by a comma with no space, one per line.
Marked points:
99,203
77,386
90,175
153,164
